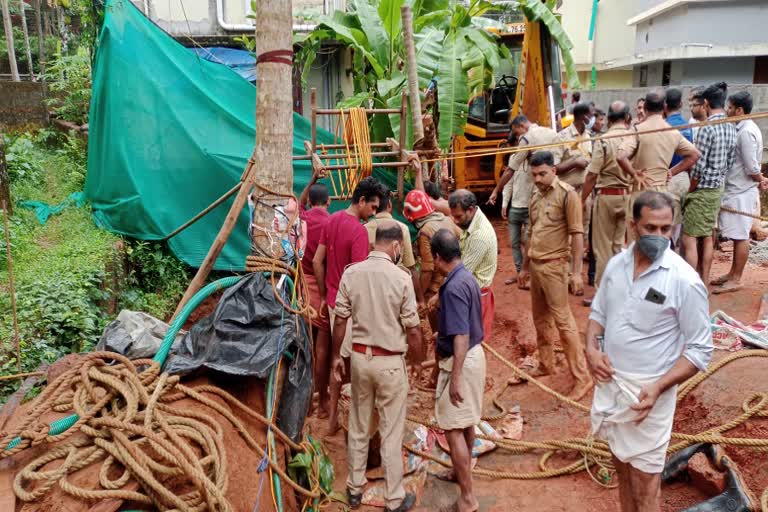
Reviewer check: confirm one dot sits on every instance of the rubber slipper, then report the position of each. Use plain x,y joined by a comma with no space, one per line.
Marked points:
727,288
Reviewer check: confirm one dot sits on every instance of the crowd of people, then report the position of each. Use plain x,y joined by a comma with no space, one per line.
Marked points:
641,204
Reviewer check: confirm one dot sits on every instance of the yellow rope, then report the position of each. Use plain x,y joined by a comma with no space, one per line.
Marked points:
595,451
458,155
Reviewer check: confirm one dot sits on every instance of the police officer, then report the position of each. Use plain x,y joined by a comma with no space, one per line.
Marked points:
378,298
555,211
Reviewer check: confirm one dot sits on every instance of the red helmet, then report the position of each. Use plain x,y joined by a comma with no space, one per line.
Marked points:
417,205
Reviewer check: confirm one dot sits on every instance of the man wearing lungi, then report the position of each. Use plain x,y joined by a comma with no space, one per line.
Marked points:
648,331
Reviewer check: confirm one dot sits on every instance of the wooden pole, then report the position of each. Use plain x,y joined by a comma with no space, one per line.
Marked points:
22,11
9,40
313,103
274,122
5,180
16,337
413,75
403,134
229,193
40,40
221,237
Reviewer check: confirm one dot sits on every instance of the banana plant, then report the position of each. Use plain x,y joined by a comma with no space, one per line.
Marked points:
453,48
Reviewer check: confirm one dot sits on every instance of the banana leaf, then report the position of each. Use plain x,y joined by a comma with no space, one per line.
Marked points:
452,91
374,28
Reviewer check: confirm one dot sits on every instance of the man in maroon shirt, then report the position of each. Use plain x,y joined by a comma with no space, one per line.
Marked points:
315,201
344,240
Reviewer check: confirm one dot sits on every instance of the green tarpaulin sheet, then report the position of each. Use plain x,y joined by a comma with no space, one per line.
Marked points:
168,134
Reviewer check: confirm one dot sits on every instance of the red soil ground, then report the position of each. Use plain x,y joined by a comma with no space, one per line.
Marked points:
714,402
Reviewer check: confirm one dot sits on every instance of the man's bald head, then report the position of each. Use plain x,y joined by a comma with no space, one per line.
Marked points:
387,232
618,112
654,101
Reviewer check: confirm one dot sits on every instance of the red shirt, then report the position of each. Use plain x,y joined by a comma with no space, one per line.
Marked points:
315,219
346,242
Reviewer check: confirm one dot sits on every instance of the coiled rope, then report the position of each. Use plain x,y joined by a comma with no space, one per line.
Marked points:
131,425
596,451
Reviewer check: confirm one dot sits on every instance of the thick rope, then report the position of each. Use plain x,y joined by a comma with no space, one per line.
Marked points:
596,452
130,424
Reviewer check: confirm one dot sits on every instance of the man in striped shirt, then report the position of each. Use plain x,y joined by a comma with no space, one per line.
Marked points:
717,144
479,248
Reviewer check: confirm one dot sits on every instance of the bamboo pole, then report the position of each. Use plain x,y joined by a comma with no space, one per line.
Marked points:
336,111
9,40
403,139
16,337
313,103
413,76
229,193
221,238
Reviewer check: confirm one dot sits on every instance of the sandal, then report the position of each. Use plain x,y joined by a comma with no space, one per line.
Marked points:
720,280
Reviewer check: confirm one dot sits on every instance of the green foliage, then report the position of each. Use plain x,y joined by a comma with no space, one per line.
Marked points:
156,279
64,270
453,47
22,164
69,78
374,31
305,465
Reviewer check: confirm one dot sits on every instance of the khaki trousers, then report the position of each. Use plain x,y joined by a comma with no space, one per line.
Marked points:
379,383
609,226
552,315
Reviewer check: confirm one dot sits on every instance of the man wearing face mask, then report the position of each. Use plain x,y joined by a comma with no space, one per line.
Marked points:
377,297
648,332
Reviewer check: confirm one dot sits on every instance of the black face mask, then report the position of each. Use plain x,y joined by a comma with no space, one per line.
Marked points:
399,257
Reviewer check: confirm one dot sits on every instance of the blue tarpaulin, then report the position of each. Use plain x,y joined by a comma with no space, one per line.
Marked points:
241,61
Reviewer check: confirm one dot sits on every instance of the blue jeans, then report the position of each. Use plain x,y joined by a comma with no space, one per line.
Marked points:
518,227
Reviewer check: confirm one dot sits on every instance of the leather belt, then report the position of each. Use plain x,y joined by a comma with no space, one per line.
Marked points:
549,260
375,351
610,191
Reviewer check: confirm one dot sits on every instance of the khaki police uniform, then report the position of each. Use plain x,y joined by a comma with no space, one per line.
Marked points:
579,147
654,152
609,213
408,260
378,299
555,216
427,227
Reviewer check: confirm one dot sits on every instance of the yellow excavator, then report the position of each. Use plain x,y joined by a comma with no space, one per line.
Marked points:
529,83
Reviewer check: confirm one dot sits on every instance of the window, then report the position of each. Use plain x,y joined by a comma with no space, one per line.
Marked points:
643,76
666,73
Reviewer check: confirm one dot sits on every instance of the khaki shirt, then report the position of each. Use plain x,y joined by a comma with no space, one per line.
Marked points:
554,215
428,226
605,164
407,260
654,151
379,298
580,147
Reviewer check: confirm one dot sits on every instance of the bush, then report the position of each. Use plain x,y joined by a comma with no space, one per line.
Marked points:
22,162
69,79
156,279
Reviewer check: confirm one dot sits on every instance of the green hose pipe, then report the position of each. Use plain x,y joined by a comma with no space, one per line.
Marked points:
62,425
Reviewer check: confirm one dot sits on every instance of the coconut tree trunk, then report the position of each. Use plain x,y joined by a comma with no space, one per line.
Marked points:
22,10
40,39
274,119
9,40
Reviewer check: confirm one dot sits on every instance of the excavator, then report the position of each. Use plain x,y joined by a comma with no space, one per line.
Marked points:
529,83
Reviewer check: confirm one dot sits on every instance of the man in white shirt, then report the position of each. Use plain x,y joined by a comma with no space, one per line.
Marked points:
516,184
648,331
741,191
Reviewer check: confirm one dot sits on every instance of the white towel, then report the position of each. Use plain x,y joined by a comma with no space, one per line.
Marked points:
644,446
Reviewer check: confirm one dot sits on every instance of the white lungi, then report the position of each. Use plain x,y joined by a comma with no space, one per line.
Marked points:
732,225
643,446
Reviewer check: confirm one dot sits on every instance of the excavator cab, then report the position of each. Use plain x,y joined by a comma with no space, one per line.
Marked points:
491,110
527,83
